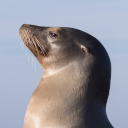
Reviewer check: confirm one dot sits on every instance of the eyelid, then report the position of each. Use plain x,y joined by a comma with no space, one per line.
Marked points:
54,36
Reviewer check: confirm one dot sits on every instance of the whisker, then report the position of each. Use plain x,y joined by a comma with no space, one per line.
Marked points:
52,53
39,44
32,59
31,42
35,45
25,50
28,55
21,43
35,64
22,46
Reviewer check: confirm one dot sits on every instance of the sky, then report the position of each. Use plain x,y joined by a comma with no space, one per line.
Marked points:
105,20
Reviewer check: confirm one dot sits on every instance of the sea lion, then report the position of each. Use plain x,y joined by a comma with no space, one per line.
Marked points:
74,88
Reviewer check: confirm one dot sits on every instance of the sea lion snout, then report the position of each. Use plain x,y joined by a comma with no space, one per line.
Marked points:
26,28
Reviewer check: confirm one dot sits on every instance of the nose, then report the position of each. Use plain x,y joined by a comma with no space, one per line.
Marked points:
25,25
32,28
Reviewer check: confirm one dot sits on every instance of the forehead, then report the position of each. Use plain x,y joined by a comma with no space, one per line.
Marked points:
55,29
64,30
58,30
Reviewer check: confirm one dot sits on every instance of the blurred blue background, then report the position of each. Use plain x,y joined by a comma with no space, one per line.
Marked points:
106,20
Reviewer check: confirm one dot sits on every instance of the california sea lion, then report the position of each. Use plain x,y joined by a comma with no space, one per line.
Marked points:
75,84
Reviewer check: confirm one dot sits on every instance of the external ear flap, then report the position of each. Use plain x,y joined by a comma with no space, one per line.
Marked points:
85,49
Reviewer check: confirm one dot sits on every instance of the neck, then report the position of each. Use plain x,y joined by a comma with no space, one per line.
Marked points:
75,106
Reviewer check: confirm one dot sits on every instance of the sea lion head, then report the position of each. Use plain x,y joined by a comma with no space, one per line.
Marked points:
57,47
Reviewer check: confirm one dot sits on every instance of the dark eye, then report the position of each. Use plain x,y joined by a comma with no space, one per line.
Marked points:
53,35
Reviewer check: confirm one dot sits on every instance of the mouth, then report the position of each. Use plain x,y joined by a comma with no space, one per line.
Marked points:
32,42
